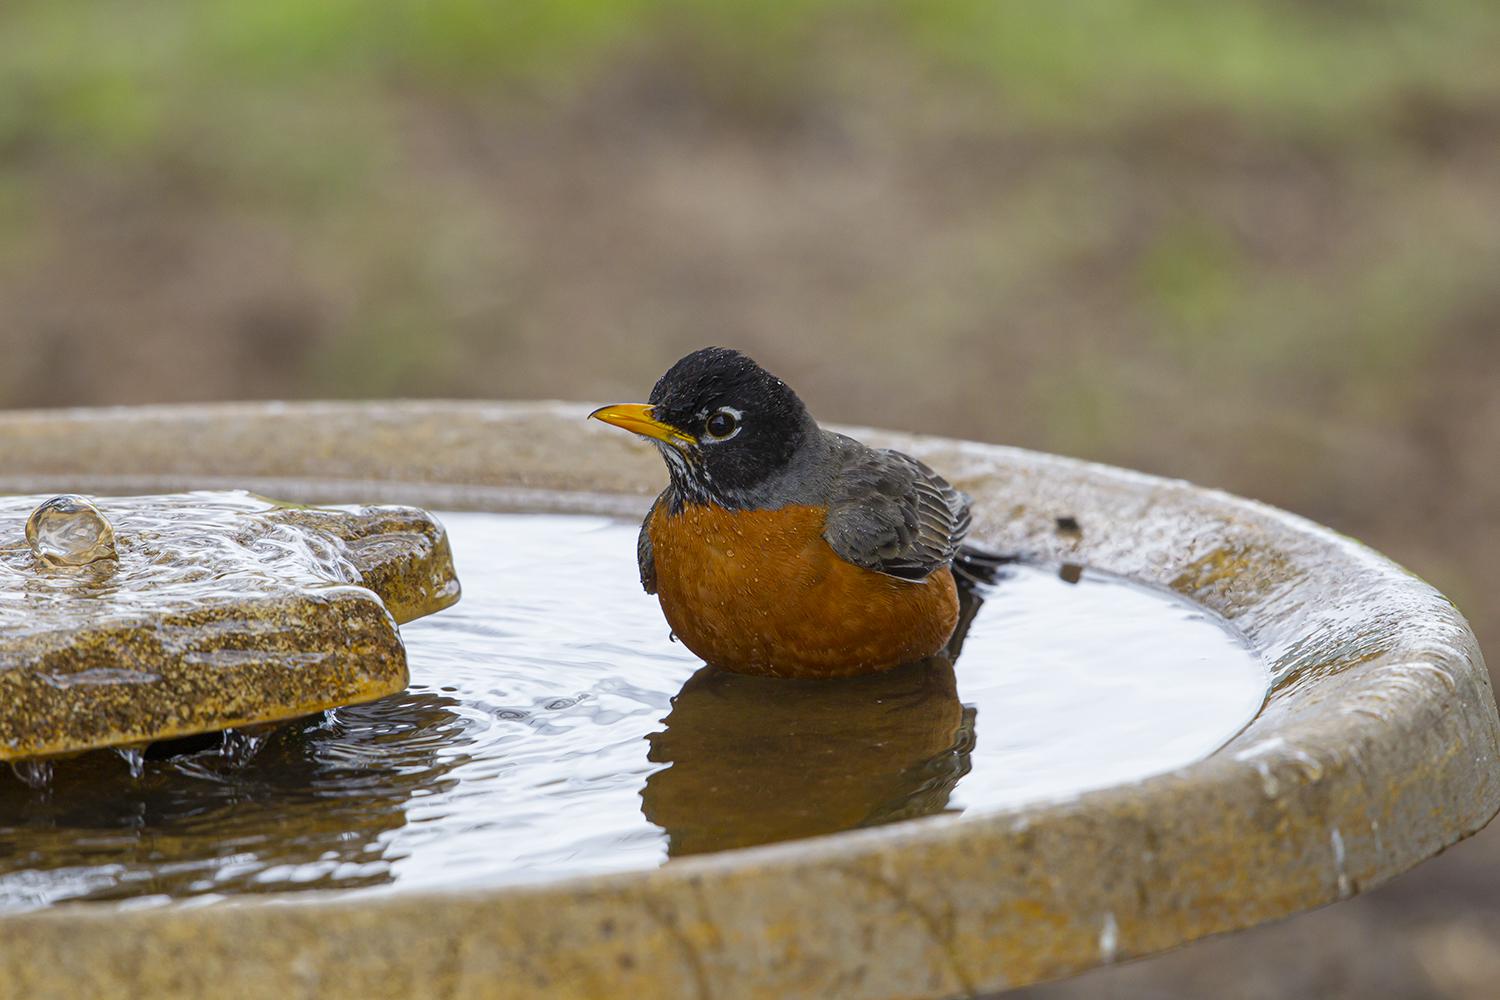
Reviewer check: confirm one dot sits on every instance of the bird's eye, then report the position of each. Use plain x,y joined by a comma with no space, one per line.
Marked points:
722,424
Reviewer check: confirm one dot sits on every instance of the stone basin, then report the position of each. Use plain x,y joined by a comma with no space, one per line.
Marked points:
1376,749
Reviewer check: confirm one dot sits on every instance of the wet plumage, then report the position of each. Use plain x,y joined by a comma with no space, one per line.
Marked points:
784,549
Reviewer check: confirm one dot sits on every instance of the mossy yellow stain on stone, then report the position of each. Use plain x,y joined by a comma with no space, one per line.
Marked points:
221,610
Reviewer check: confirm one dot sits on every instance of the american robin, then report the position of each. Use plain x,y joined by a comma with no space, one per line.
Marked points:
780,548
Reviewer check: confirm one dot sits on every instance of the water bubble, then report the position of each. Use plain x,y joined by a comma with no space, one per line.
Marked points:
240,745
36,773
1345,885
69,530
134,756
1109,939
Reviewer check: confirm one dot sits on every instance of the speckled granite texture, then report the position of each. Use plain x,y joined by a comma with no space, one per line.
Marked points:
1377,748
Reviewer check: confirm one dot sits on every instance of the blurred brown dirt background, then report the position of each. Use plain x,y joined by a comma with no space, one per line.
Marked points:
1256,246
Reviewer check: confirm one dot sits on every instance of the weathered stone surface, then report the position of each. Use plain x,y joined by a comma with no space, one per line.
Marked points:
1377,748
217,610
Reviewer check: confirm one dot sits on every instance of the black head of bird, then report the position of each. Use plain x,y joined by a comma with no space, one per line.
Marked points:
728,429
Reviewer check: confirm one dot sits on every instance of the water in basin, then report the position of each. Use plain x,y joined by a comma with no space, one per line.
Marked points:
552,727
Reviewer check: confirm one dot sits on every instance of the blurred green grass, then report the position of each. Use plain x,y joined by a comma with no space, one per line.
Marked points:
114,75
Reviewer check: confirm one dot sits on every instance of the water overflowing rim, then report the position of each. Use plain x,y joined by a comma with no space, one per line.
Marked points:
1377,748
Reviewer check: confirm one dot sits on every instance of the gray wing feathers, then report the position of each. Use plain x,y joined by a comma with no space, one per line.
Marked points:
644,558
890,513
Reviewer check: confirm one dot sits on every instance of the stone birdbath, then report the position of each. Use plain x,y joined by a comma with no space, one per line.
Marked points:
1375,748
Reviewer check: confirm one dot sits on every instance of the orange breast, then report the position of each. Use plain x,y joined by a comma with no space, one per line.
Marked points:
761,592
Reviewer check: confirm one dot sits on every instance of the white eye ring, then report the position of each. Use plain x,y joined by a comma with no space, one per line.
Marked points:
710,438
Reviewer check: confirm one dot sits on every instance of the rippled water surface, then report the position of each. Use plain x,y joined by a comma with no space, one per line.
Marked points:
553,728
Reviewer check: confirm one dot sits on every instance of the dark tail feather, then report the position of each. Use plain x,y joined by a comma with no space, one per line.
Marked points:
973,566
973,570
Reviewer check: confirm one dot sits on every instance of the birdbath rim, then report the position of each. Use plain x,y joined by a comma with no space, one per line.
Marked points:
1377,748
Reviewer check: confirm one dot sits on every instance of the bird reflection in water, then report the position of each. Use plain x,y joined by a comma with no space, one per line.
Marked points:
755,760
314,808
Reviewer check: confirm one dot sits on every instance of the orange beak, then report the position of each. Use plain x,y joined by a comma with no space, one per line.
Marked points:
637,419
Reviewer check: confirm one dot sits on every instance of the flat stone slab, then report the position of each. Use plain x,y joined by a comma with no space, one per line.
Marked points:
217,611
1378,747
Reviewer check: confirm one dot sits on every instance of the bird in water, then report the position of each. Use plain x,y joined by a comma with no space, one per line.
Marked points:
782,549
